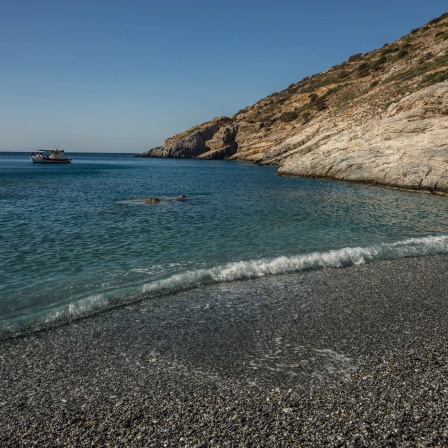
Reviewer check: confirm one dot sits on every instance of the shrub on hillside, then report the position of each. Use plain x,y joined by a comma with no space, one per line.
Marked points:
343,74
389,50
332,90
355,57
434,78
436,20
379,62
306,117
288,116
320,104
363,69
317,101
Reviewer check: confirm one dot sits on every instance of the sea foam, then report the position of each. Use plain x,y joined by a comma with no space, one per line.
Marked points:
282,265
239,270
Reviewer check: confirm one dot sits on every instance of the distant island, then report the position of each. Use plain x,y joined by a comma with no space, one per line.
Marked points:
379,118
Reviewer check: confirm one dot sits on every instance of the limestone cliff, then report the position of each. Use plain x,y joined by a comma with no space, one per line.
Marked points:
379,117
405,148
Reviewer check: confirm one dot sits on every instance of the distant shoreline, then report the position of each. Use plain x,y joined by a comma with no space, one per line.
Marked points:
424,190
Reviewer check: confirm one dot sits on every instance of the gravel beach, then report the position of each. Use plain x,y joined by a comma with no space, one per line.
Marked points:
354,356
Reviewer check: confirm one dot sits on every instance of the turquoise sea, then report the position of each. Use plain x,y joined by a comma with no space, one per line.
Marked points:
79,238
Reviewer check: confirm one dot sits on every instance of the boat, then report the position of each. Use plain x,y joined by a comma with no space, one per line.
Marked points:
50,156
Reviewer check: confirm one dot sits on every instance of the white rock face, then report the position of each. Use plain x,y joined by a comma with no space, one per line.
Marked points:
406,148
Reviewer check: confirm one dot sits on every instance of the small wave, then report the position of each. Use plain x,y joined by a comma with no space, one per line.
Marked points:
241,270
348,256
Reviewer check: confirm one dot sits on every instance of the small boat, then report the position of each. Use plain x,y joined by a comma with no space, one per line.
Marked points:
50,156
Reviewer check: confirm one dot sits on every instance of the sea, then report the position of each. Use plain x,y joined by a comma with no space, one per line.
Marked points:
80,238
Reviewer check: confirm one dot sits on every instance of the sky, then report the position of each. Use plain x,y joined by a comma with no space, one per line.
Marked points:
124,75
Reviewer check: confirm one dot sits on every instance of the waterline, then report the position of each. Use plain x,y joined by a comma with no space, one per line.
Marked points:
229,272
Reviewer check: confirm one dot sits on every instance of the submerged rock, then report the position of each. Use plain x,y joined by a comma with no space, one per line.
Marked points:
152,200
155,200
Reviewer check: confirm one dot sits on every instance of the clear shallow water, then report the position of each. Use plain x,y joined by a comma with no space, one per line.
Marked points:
78,238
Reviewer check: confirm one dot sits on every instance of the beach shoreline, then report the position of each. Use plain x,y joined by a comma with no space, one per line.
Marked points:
355,356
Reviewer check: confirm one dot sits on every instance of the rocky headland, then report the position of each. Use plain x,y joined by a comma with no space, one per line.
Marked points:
379,118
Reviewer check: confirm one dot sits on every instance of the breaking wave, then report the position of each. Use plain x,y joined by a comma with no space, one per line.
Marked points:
241,270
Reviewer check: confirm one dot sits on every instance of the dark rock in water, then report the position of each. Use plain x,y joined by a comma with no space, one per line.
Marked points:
155,200
152,200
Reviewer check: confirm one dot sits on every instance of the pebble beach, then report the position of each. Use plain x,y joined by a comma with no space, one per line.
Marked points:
346,357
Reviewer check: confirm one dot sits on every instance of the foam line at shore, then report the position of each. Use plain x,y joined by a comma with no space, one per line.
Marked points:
412,247
349,256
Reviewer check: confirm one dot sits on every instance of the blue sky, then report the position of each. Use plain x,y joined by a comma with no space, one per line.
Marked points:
122,76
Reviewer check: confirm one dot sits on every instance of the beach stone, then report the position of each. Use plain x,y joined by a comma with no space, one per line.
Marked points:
122,389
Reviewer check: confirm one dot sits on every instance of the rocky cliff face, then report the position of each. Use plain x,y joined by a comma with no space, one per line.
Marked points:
378,118
191,143
222,145
407,147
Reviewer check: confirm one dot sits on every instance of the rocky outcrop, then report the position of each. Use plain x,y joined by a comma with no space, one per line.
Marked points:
189,144
407,148
222,145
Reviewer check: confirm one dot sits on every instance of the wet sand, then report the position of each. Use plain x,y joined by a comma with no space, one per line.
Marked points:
337,357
